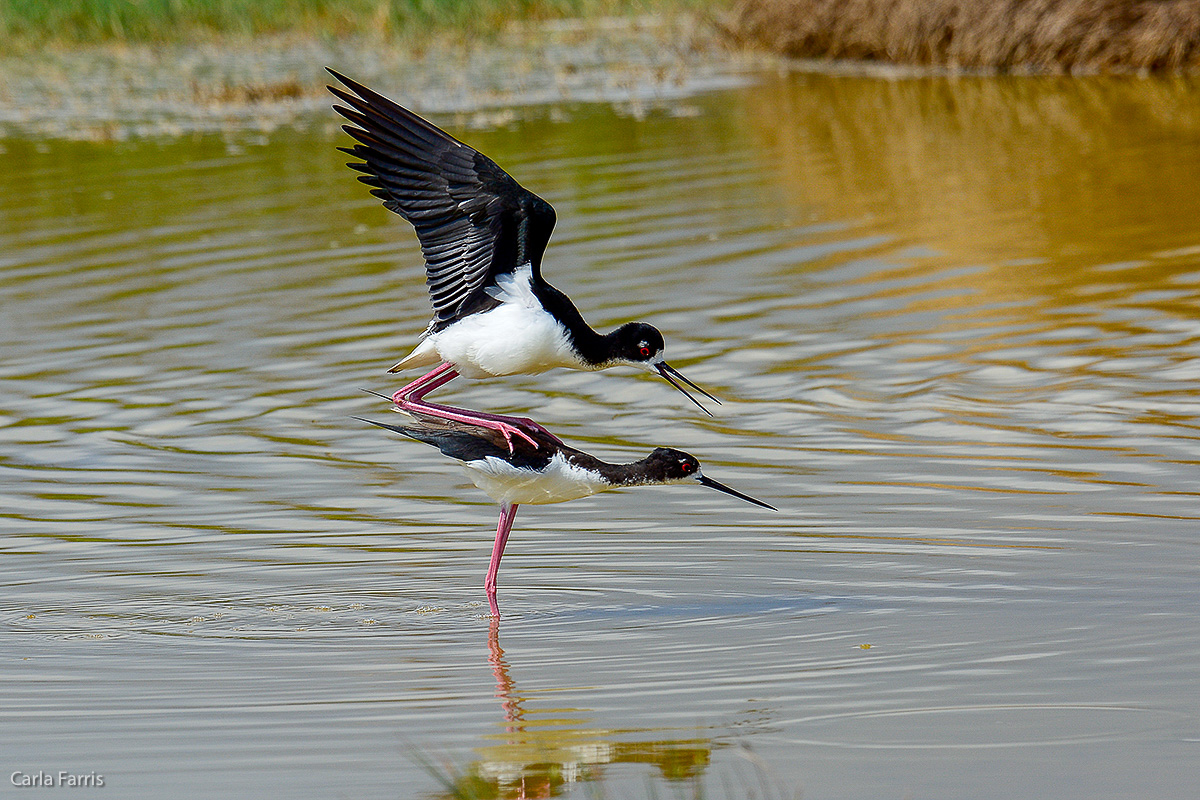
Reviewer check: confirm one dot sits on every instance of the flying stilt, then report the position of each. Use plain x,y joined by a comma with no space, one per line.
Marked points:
482,236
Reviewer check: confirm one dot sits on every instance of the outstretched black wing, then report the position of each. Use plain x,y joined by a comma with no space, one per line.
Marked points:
473,220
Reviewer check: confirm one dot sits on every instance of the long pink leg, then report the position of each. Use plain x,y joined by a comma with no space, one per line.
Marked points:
426,383
507,513
409,398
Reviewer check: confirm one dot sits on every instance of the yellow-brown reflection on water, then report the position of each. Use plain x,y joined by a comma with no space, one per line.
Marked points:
1058,197
1029,264
1078,170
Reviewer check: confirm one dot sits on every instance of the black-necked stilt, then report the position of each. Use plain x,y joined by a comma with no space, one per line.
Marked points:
482,236
544,470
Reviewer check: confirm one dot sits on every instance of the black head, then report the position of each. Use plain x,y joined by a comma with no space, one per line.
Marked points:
642,344
637,343
666,465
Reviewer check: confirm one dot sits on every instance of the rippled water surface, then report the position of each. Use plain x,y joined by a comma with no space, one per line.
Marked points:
956,327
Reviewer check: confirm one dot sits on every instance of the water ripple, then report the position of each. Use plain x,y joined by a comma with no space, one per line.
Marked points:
976,416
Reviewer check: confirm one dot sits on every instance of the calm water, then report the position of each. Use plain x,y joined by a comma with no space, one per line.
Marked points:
956,326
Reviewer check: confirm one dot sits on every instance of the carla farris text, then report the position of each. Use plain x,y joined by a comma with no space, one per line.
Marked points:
41,778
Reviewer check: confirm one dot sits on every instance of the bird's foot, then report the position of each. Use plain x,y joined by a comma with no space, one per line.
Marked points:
508,431
489,586
530,425
505,426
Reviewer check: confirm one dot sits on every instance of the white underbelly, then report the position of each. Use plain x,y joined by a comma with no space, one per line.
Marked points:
559,482
511,339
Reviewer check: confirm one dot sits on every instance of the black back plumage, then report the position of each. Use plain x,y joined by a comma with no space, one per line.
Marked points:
473,220
468,442
475,443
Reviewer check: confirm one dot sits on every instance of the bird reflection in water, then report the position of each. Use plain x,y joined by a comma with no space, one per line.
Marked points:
542,754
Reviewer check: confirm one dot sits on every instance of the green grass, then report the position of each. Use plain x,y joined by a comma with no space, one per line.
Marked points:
86,21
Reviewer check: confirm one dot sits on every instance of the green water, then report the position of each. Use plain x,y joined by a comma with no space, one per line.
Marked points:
955,324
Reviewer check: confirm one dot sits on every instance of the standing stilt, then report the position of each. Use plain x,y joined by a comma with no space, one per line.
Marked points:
551,472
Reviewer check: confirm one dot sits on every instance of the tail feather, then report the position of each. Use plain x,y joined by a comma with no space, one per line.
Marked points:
423,355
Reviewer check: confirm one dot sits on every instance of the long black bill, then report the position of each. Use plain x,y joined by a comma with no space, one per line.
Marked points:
670,373
720,487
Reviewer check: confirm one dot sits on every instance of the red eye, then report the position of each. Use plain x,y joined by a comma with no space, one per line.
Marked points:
645,351
687,467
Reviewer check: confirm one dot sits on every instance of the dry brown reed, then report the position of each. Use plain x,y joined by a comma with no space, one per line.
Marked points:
1004,35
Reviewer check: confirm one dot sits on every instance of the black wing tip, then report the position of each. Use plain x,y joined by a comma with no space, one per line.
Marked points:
349,83
342,94
363,96
362,99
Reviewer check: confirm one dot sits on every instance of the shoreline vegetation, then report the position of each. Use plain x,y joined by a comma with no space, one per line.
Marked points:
235,85
110,69
1027,36
1009,36
29,24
